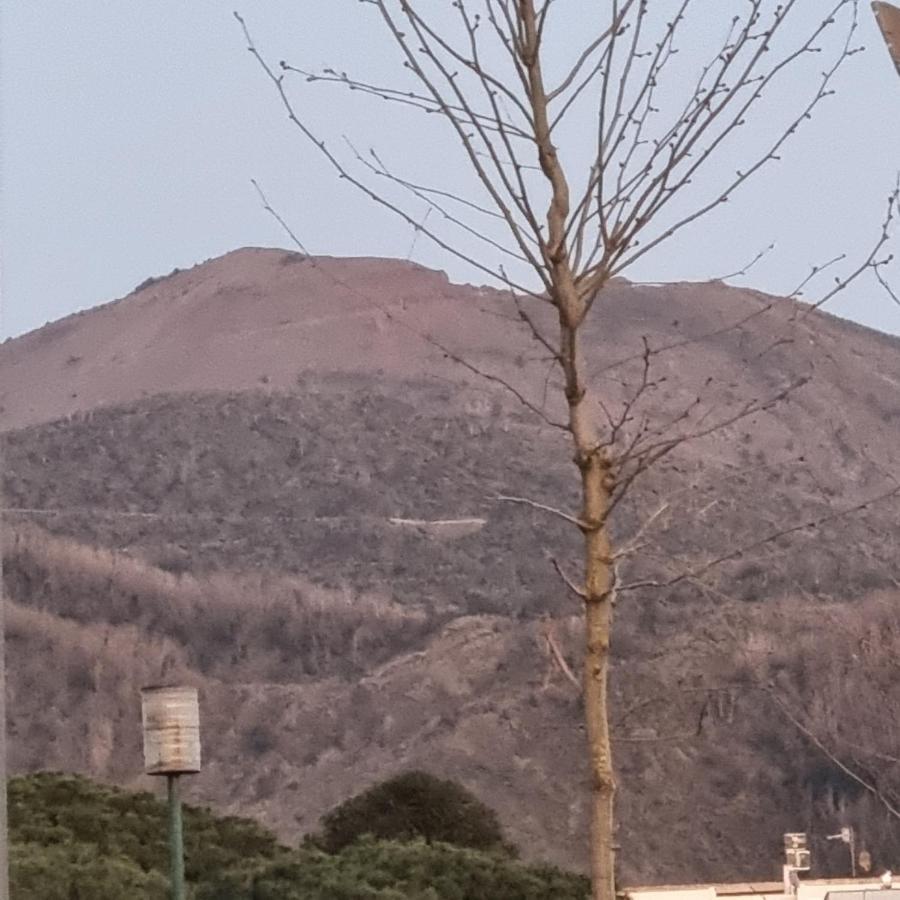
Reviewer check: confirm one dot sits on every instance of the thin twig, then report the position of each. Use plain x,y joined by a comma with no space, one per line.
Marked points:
543,507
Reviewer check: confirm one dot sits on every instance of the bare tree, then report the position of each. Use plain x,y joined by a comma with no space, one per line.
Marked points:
585,160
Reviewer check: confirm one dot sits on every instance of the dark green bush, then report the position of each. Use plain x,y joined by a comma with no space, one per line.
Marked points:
86,829
75,871
410,806
370,870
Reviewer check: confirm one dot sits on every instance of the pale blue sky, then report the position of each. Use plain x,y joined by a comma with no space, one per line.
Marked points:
131,131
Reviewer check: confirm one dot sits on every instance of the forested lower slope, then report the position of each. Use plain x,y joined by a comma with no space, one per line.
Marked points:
256,546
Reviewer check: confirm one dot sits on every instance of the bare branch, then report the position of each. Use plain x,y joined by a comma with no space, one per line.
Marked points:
745,269
737,552
497,379
659,193
604,36
344,173
275,215
832,757
492,185
577,591
404,97
543,507
872,261
557,655
427,195
635,545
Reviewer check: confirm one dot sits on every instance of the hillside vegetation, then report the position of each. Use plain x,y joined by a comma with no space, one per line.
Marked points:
331,649
310,484
72,838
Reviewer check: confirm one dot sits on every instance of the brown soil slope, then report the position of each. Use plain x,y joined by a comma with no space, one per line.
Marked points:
262,317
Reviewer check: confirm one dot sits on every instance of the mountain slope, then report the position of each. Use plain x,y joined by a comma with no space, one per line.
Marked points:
261,318
271,482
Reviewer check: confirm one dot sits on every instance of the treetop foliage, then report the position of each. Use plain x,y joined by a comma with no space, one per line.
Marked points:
409,806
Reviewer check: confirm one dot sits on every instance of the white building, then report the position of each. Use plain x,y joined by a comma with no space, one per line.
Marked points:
809,889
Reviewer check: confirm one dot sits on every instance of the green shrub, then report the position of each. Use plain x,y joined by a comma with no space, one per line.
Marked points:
79,872
410,806
82,825
370,870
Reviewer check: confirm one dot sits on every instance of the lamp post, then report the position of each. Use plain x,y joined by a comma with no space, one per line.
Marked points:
171,725
848,836
888,17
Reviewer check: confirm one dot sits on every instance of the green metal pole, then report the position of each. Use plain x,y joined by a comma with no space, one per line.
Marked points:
176,840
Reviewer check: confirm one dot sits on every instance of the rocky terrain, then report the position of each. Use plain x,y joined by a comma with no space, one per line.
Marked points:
266,476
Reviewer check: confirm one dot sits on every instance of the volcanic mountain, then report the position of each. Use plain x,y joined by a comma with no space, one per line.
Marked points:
277,477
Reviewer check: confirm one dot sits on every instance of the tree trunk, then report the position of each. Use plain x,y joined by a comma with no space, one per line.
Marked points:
596,662
597,483
598,624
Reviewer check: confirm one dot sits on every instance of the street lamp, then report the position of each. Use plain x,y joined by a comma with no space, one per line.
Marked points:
171,724
888,18
847,835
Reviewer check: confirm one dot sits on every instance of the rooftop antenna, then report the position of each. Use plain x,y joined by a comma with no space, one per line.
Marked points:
796,860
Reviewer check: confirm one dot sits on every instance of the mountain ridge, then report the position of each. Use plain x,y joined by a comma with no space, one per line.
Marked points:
244,310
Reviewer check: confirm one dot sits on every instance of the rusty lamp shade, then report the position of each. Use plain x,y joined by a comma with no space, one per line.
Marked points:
171,720
888,17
